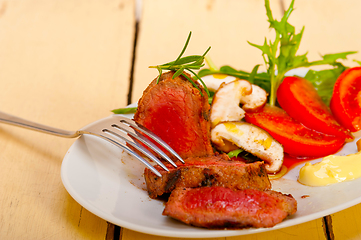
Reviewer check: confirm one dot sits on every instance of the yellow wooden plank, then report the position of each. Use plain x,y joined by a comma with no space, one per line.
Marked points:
347,223
225,25
65,64
308,230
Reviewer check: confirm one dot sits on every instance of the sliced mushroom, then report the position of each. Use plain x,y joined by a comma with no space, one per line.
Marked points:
229,96
256,100
227,136
225,105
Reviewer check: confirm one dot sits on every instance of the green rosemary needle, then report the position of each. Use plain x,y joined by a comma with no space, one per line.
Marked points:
182,64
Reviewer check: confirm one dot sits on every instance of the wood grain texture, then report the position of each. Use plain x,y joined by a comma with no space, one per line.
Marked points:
64,64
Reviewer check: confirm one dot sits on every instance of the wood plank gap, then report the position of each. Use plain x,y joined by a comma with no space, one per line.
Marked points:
117,232
110,232
327,227
131,80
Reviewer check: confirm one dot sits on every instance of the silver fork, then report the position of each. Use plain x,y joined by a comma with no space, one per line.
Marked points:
114,129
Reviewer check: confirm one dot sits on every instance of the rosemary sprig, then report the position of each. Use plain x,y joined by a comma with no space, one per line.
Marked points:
182,64
126,110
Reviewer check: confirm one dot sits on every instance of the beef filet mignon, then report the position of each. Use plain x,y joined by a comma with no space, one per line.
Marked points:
219,207
177,112
208,171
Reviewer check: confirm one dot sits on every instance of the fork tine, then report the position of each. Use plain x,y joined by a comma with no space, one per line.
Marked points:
136,145
116,142
141,138
139,127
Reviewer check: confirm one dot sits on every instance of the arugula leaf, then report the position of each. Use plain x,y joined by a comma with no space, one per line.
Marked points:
235,153
280,56
286,44
246,156
330,59
324,80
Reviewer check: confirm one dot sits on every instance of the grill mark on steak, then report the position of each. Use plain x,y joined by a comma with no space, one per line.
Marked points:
173,178
209,177
219,207
205,172
176,112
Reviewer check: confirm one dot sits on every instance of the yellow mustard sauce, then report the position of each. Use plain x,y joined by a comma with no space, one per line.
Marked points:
266,143
219,75
232,127
279,174
332,169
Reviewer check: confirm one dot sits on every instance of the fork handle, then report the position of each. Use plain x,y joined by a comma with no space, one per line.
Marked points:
19,122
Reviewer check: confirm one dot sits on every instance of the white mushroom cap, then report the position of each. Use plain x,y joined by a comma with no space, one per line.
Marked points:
213,82
229,96
256,100
225,105
227,136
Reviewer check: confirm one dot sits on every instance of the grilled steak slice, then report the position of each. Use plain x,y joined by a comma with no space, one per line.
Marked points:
219,207
209,171
176,111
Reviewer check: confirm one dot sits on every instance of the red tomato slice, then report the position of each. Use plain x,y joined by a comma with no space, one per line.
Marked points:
346,99
297,140
300,100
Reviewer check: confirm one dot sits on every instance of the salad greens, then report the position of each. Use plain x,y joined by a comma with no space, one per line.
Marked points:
248,157
235,153
324,80
261,79
280,56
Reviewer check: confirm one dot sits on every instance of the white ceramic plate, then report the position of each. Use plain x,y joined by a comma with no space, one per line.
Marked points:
109,183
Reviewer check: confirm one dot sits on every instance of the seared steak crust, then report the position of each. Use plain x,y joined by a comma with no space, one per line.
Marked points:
219,207
176,111
210,171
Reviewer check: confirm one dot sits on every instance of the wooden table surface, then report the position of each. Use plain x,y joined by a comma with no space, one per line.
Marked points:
68,63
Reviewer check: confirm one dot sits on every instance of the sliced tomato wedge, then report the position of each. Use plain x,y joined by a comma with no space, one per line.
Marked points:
346,99
298,97
297,140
